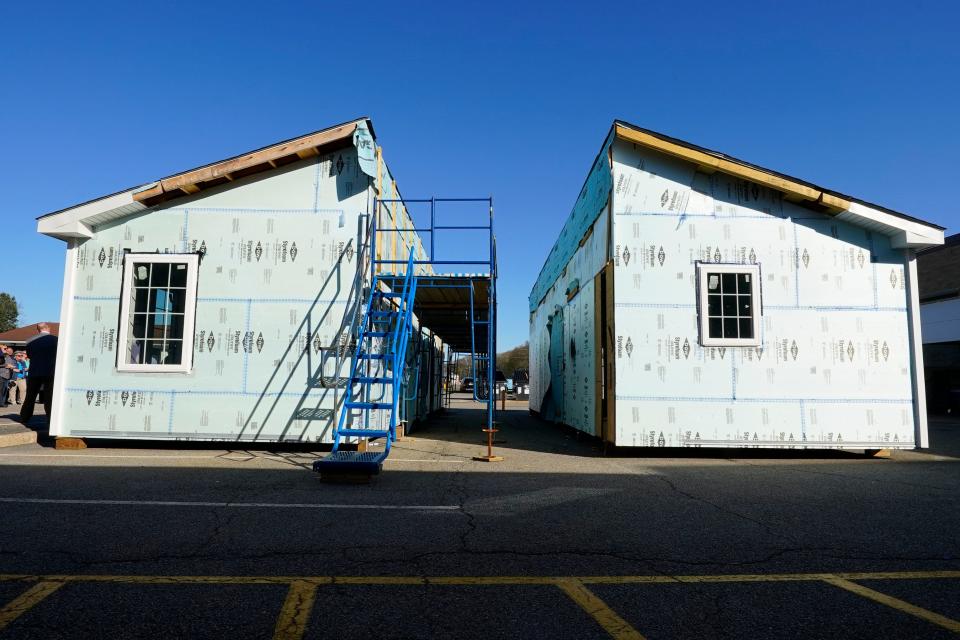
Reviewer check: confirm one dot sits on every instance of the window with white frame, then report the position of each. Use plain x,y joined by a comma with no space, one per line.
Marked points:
729,304
157,309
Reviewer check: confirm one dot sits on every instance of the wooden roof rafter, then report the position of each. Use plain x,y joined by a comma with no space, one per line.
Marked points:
266,159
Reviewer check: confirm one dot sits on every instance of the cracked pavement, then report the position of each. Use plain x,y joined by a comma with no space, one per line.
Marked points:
556,506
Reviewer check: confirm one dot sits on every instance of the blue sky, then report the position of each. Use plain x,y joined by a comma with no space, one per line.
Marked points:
509,99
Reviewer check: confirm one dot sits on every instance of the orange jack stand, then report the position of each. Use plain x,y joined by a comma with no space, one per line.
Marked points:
489,457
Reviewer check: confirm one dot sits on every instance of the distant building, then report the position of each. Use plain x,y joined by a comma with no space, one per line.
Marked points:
18,337
694,299
939,274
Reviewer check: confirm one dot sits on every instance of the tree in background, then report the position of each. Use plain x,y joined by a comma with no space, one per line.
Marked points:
9,312
516,358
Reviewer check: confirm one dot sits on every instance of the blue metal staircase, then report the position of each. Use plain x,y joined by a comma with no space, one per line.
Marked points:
377,368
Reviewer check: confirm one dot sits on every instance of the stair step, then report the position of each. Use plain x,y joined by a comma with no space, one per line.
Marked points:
368,405
376,334
389,294
350,463
382,314
374,356
365,433
371,380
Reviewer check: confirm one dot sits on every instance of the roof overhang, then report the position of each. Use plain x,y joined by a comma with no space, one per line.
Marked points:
78,221
906,232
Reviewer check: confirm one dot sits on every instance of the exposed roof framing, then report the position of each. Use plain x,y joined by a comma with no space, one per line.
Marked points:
908,232
77,221
211,175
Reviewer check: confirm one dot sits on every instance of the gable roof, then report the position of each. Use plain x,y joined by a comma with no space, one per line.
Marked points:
908,231
905,232
76,221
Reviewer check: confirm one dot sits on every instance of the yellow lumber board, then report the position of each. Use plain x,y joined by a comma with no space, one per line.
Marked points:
305,144
724,165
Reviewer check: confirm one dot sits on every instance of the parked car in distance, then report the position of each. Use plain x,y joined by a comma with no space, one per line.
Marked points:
467,385
499,382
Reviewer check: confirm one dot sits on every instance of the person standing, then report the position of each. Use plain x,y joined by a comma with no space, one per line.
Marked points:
18,386
42,352
7,372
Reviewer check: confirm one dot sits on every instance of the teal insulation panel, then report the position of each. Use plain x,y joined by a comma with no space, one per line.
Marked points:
274,289
590,203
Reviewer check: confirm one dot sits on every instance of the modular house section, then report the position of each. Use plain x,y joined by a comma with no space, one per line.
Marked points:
693,299
217,304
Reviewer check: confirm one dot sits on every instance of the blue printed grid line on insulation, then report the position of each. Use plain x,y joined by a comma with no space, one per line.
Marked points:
768,400
796,265
236,300
771,216
316,185
173,397
733,374
254,210
246,353
766,307
201,392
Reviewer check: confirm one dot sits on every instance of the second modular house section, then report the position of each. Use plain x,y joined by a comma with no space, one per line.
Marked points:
223,315
687,307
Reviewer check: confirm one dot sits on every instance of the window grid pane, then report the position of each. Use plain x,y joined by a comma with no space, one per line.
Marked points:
157,313
729,306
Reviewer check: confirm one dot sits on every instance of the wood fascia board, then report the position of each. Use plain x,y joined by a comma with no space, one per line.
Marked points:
712,163
306,145
833,203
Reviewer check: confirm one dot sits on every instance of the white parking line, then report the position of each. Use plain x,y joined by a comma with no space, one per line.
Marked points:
233,505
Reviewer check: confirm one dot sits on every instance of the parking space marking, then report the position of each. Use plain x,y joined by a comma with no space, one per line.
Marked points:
440,508
895,603
606,617
292,622
27,600
294,615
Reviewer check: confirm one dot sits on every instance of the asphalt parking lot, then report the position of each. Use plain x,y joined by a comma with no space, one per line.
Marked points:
559,540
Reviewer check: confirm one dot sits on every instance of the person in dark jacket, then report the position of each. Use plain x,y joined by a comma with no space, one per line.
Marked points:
42,352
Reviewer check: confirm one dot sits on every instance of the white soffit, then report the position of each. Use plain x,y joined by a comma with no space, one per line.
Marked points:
906,234
78,222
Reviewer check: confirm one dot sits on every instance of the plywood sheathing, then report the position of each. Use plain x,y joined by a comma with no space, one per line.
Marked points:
196,180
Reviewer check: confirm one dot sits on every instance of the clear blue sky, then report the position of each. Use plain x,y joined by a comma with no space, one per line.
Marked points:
509,99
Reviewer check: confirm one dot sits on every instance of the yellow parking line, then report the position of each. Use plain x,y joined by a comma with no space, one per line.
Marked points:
613,624
383,581
895,603
26,601
493,580
295,613
898,575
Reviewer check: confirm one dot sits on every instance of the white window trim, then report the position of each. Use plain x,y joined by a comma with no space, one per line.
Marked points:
189,312
755,291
